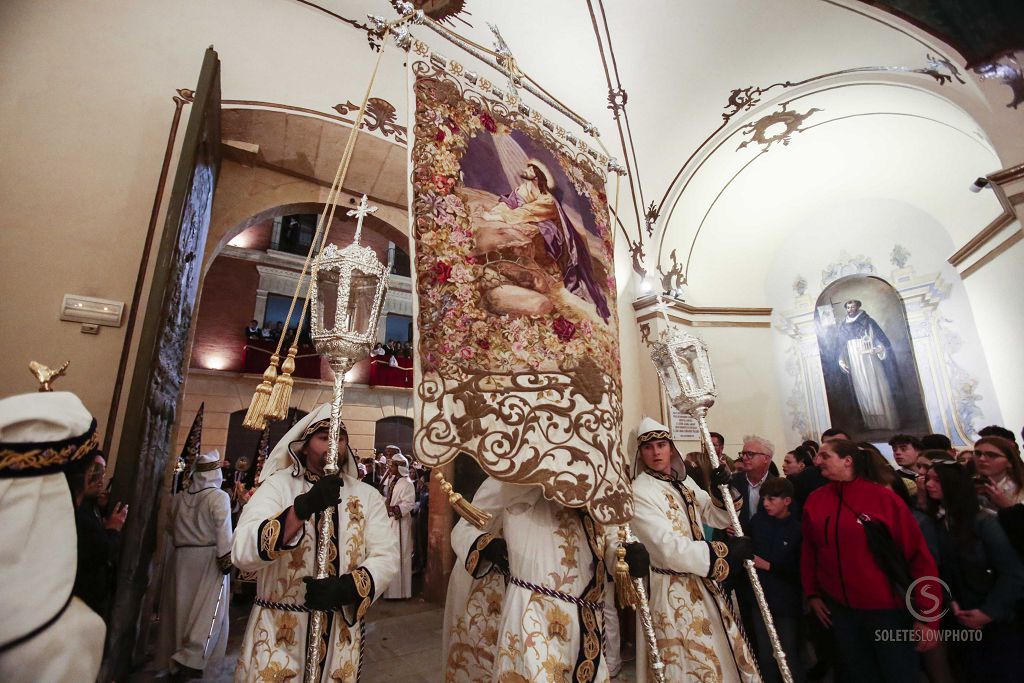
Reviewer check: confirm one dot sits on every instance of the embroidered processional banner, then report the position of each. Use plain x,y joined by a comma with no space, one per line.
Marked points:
517,333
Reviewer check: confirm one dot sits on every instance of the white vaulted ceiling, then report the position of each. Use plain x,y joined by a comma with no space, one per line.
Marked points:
892,118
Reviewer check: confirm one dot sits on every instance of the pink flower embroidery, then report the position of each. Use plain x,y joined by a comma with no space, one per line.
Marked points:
440,135
484,344
564,329
466,352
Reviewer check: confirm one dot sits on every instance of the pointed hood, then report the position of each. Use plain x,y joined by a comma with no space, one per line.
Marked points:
206,472
651,430
286,453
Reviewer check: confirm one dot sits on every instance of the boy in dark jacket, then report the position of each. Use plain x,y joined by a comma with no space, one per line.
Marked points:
776,535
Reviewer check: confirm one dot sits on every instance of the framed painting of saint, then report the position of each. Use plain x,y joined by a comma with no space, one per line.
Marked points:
867,359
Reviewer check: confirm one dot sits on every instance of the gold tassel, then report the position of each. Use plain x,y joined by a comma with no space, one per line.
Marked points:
466,510
256,416
625,589
277,408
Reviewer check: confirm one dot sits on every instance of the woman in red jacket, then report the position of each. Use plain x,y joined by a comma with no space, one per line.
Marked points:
844,585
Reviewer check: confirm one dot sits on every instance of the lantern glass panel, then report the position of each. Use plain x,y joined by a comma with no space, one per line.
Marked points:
690,376
361,298
671,382
327,299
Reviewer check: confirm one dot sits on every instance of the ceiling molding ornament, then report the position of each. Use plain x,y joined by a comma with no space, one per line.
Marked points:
380,116
674,278
742,100
759,130
1008,69
846,265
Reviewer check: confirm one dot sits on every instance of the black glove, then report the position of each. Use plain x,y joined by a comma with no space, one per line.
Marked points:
324,494
638,559
741,548
720,476
496,552
332,593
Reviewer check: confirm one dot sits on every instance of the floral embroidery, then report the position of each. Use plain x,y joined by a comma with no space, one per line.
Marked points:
275,673
284,631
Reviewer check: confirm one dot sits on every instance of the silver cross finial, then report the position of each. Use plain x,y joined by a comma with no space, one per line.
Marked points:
360,212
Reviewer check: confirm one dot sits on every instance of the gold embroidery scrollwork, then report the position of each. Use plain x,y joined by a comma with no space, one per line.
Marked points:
719,569
364,586
269,535
473,559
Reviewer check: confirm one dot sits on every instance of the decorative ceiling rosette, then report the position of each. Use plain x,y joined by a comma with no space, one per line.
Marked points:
517,334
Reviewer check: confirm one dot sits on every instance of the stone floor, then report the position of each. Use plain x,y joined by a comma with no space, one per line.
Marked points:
403,645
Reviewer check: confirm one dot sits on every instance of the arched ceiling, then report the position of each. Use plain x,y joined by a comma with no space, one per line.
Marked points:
885,109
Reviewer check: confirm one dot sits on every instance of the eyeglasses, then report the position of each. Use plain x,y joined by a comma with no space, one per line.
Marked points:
750,454
988,454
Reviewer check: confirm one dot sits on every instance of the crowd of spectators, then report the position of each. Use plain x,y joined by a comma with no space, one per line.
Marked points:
884,571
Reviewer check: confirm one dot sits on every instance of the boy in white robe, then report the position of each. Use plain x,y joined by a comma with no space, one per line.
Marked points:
276,538
199,588
400,499
698,634
547,623
46,634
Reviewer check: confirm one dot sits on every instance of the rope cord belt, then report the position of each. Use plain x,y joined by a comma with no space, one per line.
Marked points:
565,597
283,606
668,572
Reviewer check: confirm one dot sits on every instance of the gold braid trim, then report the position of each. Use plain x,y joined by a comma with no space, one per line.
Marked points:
208,466
655,435
364,586
16,461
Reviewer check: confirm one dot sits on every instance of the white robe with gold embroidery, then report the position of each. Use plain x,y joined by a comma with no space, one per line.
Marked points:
275,639
698,636
513,634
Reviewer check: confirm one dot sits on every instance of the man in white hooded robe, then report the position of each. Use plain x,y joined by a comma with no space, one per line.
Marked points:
46,634
199,587
400,499
699,636
276,538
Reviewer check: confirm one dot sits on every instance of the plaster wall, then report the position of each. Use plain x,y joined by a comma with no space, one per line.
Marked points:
997,297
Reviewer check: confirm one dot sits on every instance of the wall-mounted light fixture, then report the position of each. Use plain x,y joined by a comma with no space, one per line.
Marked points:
91,312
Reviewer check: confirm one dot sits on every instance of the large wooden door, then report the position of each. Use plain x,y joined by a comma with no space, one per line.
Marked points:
157,379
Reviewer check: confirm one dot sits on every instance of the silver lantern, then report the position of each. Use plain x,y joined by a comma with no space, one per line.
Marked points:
685,370
347,293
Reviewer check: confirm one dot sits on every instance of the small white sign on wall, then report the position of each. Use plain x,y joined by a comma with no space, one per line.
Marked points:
684,427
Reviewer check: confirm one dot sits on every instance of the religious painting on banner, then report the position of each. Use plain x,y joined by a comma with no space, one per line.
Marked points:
517,335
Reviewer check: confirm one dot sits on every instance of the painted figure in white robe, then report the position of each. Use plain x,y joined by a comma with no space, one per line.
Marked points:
698,633
865,353
198,591
46,634
276,538
400,499
526,598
